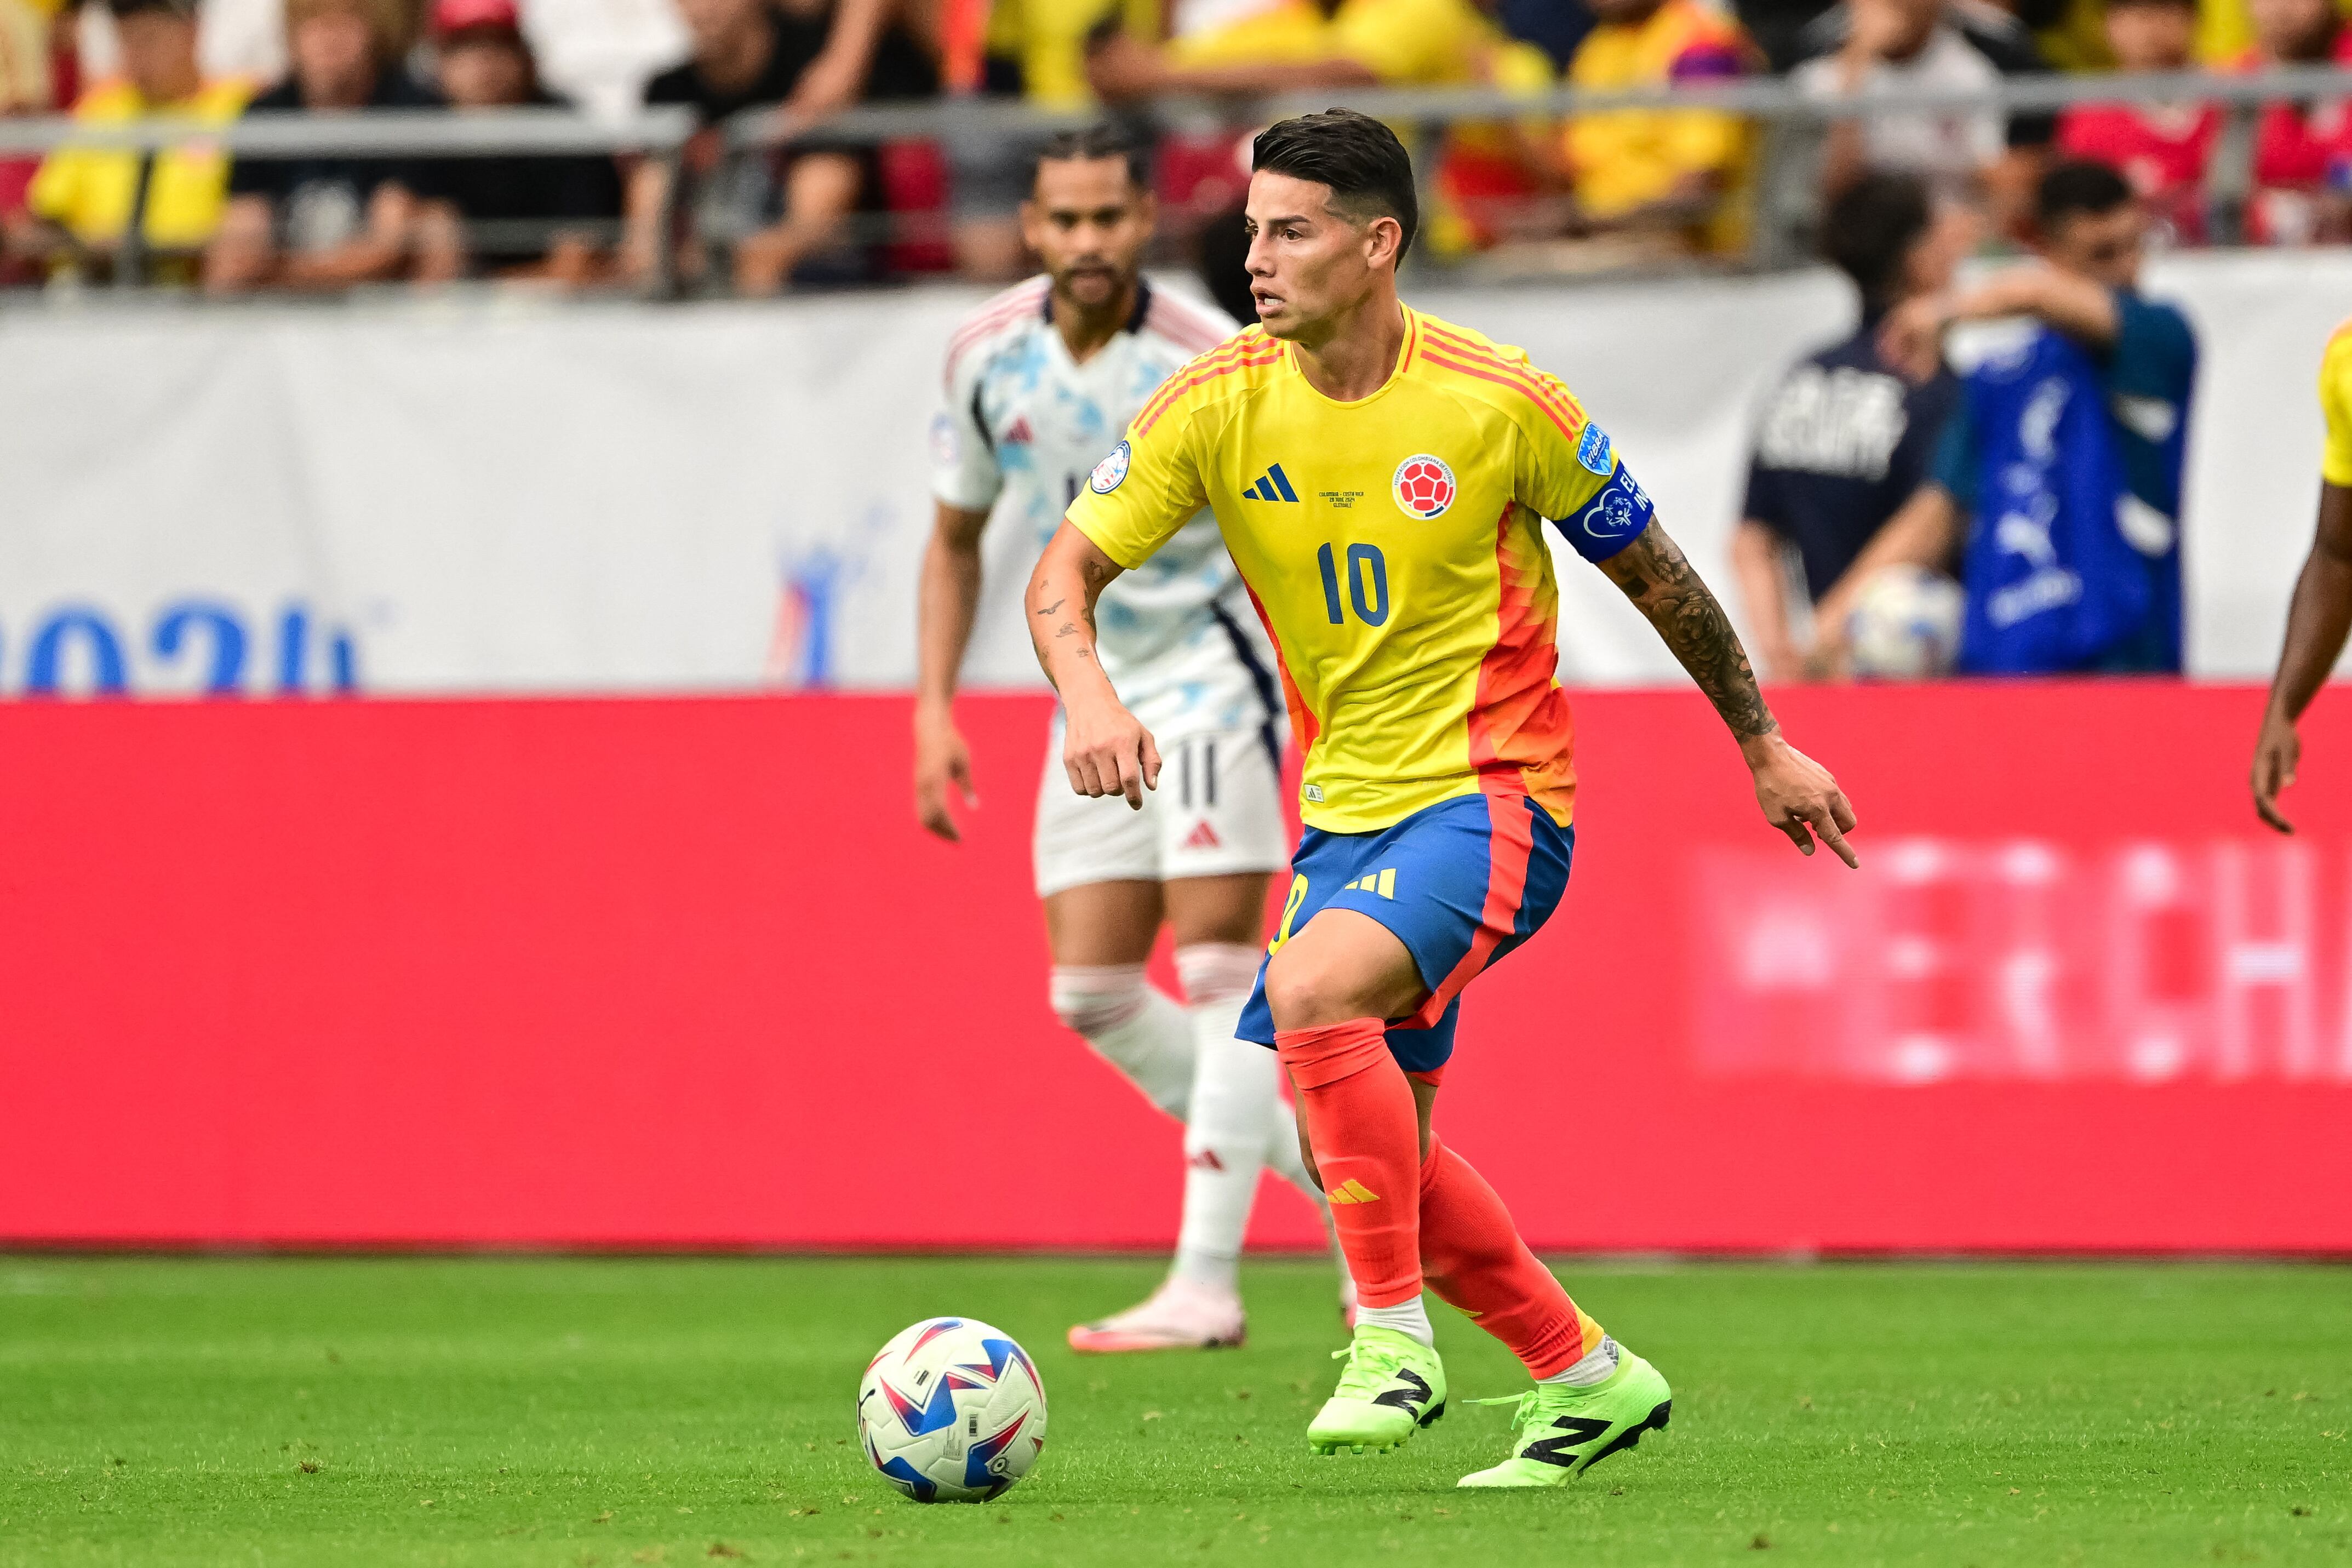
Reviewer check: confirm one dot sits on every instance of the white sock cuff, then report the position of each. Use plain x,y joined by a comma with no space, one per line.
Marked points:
1598,1365
1095,998
1410,1318
1217,970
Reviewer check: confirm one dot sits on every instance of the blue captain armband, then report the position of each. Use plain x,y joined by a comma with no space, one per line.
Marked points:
1611,519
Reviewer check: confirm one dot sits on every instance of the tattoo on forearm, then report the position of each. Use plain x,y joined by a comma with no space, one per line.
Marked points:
1066,630
1656,576
1055,605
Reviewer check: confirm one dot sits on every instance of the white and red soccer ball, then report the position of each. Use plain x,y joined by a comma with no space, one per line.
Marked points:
951,1410
1424,485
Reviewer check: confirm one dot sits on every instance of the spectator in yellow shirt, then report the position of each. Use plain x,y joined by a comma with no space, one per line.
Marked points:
1667,177
1364,43
81,203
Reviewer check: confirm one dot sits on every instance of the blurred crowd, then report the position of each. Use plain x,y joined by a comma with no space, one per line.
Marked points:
1605,190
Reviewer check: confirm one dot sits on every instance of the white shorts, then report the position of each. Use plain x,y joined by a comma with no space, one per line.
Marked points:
1218,810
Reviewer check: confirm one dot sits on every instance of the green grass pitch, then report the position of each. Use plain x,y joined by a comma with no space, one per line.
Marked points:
346,1413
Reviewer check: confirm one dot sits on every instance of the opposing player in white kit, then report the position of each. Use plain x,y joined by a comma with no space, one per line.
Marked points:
1040,382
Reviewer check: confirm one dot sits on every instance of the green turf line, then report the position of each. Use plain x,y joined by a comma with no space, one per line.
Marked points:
586,1413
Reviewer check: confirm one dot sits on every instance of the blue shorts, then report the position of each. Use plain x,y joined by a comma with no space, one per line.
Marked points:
1461,883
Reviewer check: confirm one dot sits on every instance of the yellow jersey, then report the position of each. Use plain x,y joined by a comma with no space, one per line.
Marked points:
1288,34
1627,158
1393,547
2336,403
87,190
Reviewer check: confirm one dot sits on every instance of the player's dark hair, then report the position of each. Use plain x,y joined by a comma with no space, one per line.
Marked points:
1368,169
2078,186
1870,229
1103,139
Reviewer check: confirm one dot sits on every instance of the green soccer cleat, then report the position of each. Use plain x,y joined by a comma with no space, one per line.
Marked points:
1393,1386
1560,1431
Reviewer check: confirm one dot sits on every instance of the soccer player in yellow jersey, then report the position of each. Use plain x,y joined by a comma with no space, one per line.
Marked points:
1382,478
2321,614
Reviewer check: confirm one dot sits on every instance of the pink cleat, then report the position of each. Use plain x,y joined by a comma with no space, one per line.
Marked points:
1180,1316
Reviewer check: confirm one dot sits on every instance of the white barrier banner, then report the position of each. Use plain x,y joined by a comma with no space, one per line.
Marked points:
478,495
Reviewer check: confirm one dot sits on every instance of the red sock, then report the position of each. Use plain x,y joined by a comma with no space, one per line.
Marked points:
1474,1259
1366,1139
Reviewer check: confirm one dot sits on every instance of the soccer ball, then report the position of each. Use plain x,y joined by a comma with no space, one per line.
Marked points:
951,1411
1905,625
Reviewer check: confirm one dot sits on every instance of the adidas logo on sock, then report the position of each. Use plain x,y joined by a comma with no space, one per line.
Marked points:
1352,1191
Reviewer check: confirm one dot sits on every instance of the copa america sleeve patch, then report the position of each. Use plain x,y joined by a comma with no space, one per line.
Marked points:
1594,452
1611,519
1109,473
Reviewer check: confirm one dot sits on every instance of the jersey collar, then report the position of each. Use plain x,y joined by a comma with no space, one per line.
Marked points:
1406,353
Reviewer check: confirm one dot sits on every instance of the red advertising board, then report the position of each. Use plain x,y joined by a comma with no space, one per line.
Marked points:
676,974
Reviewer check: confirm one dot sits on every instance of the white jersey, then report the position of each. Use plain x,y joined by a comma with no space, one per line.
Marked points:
1023,426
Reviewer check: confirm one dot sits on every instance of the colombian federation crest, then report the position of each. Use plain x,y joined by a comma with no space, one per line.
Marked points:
1424,485
1110,471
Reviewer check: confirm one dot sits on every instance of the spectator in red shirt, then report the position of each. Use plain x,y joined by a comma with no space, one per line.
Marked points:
2298,146
2161,148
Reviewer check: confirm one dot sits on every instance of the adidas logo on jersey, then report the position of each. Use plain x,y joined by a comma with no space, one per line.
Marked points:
1020,434
1381,882
1272,485
1202,836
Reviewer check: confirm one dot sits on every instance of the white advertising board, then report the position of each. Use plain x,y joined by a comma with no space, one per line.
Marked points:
475,494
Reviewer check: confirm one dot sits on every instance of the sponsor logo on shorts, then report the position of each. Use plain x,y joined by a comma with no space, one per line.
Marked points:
1594,452
1111,471
1202,836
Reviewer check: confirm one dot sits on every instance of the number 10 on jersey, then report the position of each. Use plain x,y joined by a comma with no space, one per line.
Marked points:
1368,584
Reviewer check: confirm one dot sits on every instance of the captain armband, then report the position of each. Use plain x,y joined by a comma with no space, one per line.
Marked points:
1611,519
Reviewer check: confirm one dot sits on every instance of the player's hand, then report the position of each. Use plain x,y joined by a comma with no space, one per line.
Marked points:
1799,797
1911,339
1105,750
2277,750
942,761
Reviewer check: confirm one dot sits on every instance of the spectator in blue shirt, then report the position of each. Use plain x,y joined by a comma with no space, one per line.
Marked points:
2057,484
1844,438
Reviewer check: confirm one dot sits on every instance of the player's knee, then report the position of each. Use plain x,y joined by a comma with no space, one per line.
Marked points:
1303,994
1095,999
1216,971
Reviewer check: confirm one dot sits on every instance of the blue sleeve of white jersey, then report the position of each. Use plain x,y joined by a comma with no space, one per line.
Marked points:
1611,519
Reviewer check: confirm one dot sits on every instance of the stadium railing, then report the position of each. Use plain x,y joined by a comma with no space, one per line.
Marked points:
1784,195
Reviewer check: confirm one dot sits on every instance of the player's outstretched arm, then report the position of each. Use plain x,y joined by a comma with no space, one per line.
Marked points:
945,604
1797,794
2316,623
1104,749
